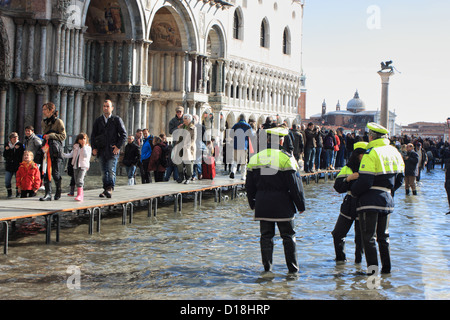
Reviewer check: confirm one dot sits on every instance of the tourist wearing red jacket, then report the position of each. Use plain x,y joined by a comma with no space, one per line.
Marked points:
28,177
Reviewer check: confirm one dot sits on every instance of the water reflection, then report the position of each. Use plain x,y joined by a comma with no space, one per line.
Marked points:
212,252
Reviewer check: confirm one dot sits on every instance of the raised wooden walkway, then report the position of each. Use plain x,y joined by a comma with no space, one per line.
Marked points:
123,196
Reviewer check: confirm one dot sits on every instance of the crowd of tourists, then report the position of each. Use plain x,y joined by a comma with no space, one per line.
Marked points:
152,156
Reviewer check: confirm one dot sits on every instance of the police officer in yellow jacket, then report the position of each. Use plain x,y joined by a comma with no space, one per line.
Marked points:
381,172
347,215
275,190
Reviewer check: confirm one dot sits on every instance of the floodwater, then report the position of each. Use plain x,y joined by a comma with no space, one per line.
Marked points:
212,252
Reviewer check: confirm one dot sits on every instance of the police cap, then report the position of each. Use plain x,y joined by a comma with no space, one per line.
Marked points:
278,131
377,128
360,145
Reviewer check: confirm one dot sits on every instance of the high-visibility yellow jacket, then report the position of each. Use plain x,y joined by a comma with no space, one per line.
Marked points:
274,186
381,172
341,185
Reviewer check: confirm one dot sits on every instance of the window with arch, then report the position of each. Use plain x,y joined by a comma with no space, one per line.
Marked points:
264,34
286,41
238,24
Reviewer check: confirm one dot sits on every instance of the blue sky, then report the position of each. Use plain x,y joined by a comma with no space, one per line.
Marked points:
345,41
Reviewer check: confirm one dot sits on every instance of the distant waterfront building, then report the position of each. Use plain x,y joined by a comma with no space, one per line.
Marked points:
355,117
432,130
216,58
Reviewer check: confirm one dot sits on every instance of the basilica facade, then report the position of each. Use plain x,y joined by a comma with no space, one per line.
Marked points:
217,59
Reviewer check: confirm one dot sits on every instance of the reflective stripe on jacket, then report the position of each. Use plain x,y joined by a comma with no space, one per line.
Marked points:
381,172
274,186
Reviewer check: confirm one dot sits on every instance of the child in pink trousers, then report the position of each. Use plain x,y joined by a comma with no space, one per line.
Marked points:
81,157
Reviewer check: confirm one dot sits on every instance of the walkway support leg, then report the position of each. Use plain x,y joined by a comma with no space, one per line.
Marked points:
125,212
5,236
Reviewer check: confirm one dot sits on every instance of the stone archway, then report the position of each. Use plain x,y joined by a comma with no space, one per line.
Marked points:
173,69
114,64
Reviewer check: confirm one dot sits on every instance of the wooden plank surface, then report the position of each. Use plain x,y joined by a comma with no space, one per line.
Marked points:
17,208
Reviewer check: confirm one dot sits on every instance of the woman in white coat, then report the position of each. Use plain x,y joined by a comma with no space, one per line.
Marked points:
81,157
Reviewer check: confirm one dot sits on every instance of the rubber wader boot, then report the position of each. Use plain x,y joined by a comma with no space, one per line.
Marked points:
80,194
9,193
72,191
48,191
58,189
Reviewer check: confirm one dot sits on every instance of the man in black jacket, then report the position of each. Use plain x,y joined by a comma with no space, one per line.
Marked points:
411,168
297,141
108,136
311,133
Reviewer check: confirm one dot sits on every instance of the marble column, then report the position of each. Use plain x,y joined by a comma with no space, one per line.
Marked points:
109,56
199,77
101,68
40,91
67,51
18,49
87,65
162,70
3,92
20,116
173,72
63,109
63,50
77,113
181,73
187,73
90,113
129,65
81,52
130,114
84,113
72,51
55,97
77,53
70,112
137,100
43,49
93,77
30,53
57,56
219,81
144,113
150,68
384,111
193,73
125,109
145,62
117,76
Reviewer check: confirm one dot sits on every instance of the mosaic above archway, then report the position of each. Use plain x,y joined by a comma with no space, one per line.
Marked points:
105,17
164,32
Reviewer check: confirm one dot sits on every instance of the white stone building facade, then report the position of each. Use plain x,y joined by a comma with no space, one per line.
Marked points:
215,58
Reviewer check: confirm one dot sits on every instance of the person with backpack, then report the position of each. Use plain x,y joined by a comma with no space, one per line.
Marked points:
131,159
328,146
337,145
157,160
297,141
146,152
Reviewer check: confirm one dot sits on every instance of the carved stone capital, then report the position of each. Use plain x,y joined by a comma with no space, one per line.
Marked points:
39,88
22,86
4,86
